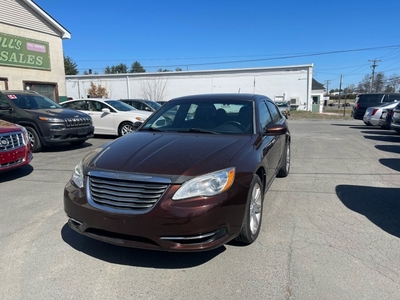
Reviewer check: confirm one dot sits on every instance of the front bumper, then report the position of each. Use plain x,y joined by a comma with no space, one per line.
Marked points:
15,158
197,224
73,134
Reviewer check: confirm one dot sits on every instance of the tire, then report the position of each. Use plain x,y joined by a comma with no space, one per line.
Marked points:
34,139
125,128
253,213
285,166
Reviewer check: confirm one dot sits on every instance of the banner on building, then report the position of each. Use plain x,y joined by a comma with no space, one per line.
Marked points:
22,52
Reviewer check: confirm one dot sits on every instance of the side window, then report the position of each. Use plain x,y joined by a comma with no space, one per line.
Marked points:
96,106
395,97
135,104
265,116
386,98
276,115
79,105
4,103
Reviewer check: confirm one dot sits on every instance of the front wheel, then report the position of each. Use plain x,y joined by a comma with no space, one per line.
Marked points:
125,128
34,139
253,214
285,167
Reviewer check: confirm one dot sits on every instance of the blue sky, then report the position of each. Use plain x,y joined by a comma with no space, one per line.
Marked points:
339,37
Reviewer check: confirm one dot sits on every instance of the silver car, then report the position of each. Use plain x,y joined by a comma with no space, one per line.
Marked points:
373,115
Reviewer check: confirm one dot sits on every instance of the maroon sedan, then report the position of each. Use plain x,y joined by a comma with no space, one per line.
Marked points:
192,183
15,148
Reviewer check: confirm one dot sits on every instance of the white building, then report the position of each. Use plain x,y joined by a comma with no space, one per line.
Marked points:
288,83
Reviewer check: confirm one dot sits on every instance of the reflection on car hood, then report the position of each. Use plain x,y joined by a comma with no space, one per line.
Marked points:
59,113
6,127
136,113
171,154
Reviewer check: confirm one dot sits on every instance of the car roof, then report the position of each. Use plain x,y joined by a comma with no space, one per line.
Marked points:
18,92
227,96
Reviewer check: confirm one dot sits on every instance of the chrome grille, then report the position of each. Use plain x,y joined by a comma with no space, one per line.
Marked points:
78,122
11,140
125,194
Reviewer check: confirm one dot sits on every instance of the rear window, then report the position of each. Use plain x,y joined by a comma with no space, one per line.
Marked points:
374,98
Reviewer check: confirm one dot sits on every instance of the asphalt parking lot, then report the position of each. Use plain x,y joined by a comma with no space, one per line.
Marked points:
331,230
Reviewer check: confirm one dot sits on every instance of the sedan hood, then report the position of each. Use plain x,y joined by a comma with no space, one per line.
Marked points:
7,127
170,154
136,113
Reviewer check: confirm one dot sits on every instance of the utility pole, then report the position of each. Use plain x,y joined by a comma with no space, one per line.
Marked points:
327,82
340,88
374,65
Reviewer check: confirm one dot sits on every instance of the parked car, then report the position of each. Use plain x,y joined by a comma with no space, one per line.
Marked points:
142,104
15,148
373,115
46,121
395,125
190,185
110,117
387,118
363,101
284,107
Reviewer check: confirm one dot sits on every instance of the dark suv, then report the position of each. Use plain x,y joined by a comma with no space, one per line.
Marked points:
46,121
363,101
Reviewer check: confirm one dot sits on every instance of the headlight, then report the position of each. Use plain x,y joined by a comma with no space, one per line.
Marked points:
206,185
77,175
140,119
24,134
50,119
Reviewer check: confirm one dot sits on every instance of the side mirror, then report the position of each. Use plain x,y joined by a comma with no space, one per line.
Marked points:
106,110
275,129
136,125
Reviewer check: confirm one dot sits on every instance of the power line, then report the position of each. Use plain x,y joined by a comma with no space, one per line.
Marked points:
252,60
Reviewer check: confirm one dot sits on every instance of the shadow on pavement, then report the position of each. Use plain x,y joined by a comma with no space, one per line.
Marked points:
65,147
136,257
16,173
380,205
392,163
389,148
383,138
382,132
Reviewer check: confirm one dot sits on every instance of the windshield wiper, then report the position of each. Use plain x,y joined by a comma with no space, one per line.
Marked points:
153,129
199,130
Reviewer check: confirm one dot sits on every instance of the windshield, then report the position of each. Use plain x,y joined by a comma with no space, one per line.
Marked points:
153,104
203,116
28,101
281,104
119,105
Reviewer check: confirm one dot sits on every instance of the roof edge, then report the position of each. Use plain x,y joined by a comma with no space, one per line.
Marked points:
65,34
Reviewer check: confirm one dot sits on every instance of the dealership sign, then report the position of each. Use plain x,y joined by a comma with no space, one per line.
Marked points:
23,52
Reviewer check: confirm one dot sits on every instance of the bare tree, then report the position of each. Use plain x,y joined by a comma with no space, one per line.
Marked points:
153,88
365,84
379,82
97,91
394,82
